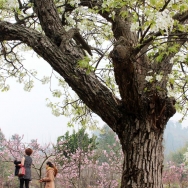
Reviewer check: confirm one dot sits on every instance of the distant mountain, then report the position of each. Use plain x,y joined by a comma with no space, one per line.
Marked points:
175,137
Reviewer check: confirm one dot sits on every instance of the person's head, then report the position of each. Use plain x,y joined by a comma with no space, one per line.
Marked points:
28,151
49,164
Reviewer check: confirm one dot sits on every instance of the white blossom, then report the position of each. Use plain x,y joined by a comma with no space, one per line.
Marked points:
158,77
170,76
11,4
170,93
182,57
1,85
2,79
45,80
70,20
112,14
4,87
56,112
163,21
150,71
172,60
33,72
29,85
104,5
57,93
149,78
49,104
74,3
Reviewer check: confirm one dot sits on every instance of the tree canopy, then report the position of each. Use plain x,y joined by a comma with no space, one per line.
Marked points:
76,140
160,30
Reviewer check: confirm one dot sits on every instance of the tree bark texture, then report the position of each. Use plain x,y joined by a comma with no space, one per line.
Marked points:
139,117
143,155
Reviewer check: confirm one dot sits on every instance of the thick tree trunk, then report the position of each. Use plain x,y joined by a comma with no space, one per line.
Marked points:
145,110
143,155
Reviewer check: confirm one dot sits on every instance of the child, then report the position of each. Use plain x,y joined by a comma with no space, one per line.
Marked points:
17,167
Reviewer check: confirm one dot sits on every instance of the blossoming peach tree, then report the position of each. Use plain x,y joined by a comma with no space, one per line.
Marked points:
14,149
83,168
80,169
175,175
125,60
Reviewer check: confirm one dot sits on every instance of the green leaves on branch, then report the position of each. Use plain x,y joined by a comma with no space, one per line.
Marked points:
109,5
159,58
69,143
85,63
2,2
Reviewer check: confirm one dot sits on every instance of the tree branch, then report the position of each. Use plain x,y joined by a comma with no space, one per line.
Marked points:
165,5
90,90
180,17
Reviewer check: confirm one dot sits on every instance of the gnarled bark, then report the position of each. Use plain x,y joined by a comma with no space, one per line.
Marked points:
143,155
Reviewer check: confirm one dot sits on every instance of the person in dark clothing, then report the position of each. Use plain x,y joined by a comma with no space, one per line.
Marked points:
26,162
17,167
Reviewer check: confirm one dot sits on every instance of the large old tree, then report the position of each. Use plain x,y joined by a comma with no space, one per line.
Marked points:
122,58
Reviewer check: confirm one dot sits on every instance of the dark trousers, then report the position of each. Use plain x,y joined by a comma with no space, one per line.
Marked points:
26,181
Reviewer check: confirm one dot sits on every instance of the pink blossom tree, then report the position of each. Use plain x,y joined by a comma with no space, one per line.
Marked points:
14,149
83,169
80,169
175,174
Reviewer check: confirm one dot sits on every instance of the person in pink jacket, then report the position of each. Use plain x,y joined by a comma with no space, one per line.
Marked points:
51,172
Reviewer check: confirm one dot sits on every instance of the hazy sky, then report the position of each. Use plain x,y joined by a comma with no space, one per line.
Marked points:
26,113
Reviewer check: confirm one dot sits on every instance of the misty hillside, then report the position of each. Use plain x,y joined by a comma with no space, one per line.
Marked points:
175,137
